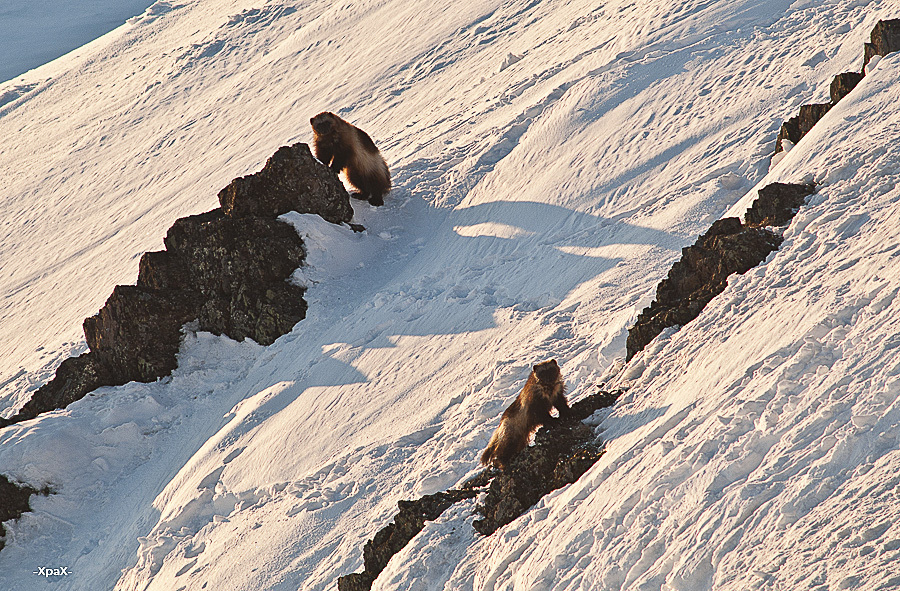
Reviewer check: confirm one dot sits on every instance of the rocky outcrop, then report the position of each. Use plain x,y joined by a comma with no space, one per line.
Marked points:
777,204
226,269
702,273
885,39
238,267
406,524
15,499
292,180
843,84
75,377
796,127
564,450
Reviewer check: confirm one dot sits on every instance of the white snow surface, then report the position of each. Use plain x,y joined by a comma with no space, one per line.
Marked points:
34,32
537,204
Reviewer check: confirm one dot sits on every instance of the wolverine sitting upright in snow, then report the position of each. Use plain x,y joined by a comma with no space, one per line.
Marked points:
343,146
545,389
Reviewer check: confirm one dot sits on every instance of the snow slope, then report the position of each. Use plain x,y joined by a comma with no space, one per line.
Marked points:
538,202
33,33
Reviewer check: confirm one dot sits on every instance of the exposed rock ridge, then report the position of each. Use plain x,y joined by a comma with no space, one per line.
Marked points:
14,500
564,450
226,269
885,39
702,273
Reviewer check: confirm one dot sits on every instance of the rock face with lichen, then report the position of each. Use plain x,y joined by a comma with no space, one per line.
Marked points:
227,269
563,450
292,180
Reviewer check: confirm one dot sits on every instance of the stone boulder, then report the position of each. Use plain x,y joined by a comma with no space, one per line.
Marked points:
137,333
406,524
885,39
240,268
75,377
291,180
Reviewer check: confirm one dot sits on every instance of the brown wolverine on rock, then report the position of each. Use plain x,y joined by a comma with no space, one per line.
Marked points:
544,389
343,146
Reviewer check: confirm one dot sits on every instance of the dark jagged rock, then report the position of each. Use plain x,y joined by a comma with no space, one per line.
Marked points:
75,377
796,127
137,333
228,269
777,204
869,51
291,180
843,84
224,254
702,273
14,500
564,450
407,523
790,130
239,267
886,37
395,536
356,582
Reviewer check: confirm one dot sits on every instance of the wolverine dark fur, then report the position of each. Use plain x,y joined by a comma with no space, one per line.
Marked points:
544,389
343,146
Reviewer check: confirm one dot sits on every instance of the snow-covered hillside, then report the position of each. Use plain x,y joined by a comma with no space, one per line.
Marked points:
35,32
537,203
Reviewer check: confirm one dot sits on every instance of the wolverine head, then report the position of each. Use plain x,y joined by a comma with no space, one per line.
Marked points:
323,123
547,372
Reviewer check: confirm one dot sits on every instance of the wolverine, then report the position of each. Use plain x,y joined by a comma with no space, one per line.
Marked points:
544,389
343,146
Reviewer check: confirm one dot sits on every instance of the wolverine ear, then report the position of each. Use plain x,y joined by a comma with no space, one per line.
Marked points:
311,119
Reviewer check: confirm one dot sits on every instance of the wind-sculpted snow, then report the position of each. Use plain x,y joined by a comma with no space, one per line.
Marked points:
536,208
